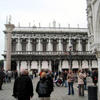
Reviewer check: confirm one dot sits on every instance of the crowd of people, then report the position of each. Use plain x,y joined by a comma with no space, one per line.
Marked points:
23,86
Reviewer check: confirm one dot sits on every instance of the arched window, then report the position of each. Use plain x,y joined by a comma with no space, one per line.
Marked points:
54,45
13,45
74,43
64,45
34,45
24,45
44,44
83,45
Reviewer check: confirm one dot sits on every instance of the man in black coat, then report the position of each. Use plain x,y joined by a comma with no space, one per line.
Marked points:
95,77
23,87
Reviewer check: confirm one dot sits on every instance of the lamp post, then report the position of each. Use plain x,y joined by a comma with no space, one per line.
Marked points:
70,57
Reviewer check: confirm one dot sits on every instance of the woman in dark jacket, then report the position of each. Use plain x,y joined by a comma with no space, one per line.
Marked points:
43,87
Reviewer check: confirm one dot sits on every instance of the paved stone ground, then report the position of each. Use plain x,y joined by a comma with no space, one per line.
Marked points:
59,93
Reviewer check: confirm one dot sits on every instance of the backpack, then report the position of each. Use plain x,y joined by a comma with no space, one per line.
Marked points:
43,88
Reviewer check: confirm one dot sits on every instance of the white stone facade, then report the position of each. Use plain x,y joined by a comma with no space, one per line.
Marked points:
93,16
50,48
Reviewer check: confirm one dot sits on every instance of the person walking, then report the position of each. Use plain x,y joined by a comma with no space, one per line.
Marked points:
31,74
95,77
70,79
81,77
2,77
23,87
85,81
9,74
43,87
15,74
64,75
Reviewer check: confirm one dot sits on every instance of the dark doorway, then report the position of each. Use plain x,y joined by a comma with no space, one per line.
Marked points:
13,65
55,65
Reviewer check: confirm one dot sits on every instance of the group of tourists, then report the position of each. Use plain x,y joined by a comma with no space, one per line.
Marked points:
23,86
6,76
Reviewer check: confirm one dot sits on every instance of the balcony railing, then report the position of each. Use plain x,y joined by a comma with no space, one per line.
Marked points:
62,53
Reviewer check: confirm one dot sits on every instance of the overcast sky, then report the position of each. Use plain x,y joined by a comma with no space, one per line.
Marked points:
64,12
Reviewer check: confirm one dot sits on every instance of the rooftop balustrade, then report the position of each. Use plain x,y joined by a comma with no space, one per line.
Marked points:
62,53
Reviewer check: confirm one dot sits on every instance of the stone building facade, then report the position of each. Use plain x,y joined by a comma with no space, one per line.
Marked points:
50,48
93,17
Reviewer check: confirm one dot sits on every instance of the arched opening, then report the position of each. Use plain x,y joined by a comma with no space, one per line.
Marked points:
13,65
55,65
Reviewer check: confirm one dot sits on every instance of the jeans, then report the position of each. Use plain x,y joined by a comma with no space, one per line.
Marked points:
70,88
85,85
66,84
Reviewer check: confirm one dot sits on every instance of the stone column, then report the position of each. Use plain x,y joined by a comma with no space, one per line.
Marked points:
5,64
60,66
88,46
60,45
49,46
19,47
49,65
18,66
79,45
9,29
28,65
29,46
69,44
5,43
79,64
90,65
39,66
